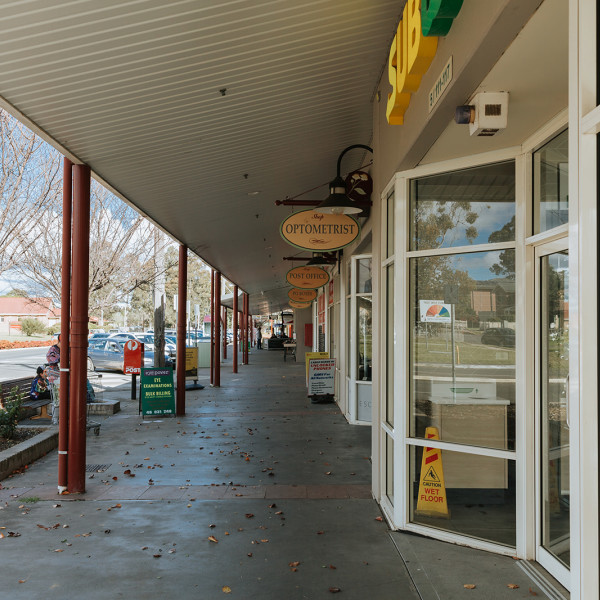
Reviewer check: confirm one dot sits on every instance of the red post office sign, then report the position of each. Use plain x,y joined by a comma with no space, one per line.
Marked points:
133,354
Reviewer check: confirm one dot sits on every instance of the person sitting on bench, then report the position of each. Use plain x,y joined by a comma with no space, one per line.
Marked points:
40,388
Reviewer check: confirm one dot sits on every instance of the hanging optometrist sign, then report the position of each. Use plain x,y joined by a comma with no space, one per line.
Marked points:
310,230
299,295
307,277
295,304
413,49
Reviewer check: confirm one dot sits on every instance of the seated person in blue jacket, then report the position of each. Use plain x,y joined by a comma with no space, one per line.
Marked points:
40,388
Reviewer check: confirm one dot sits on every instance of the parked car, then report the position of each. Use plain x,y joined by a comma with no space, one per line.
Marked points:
98,335
499,336
109,354
148,340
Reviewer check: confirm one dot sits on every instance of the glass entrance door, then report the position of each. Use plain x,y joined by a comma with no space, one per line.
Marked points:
553,410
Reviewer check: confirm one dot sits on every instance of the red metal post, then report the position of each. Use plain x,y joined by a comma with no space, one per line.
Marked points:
245,329
181,326
235,321
248,329
212,326
224,325
65,321
217,377
79,329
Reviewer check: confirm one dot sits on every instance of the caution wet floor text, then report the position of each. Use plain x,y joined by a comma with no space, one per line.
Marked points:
432,501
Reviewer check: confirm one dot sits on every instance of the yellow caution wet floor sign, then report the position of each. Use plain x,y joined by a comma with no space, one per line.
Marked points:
432,500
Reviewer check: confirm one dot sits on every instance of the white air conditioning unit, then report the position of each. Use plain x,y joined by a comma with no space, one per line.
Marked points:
491,113
486,113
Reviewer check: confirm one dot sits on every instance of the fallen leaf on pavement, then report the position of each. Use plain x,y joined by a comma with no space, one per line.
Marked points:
249,515
469,586
379,519
226,589
532,593
334,590
294,564
512,586
212,538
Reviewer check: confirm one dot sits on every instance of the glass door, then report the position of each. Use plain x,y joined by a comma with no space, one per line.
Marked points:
554,547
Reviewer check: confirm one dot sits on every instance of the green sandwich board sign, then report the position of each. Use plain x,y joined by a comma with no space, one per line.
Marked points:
157,395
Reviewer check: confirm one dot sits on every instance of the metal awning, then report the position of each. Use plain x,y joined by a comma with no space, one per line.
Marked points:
202,114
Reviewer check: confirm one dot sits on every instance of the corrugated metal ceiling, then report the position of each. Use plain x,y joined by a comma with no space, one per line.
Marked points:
135,90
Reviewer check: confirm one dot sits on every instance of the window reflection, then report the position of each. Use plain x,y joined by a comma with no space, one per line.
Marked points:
363,276
554,406
473,206
480,495
462,316
551,184
364,325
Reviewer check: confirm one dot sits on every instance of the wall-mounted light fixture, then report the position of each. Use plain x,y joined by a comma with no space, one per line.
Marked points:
338,203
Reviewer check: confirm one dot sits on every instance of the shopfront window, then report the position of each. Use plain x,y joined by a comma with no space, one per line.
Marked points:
364,283
551,184
462,324
364,322
472,206
479,493
389,335
462,351
389,229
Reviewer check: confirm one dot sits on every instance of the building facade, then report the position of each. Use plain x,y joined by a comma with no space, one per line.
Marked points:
464,319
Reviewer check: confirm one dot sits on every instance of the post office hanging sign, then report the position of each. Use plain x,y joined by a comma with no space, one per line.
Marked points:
319,232
300,295
307,277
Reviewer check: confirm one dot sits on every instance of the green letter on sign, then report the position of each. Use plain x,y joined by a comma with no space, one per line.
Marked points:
437,16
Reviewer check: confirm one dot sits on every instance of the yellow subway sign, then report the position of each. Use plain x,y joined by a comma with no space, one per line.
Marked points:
413,49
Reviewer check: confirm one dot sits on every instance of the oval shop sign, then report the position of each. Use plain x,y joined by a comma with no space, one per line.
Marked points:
300,295
295,304
307,277
311,230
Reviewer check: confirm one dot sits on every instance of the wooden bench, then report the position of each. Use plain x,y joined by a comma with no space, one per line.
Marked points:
289,349
24,387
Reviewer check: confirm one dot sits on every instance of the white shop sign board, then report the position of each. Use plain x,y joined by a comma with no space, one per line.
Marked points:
321,376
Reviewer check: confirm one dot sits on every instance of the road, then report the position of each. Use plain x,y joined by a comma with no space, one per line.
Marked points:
21,363
24,361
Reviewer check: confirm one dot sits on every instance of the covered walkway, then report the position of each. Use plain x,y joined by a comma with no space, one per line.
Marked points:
256,493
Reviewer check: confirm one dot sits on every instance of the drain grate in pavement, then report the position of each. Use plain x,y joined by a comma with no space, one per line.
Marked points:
96,468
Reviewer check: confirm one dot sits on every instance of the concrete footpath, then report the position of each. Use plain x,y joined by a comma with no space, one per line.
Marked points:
254,493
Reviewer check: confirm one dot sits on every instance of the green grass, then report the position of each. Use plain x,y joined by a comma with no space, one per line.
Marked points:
434,351
25,338
30,499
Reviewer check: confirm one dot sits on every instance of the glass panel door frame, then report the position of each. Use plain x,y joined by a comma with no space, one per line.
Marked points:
387,430
401,431
353,384
584,135
543,556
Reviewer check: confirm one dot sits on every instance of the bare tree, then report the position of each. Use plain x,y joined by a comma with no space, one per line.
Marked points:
29,182
121,251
